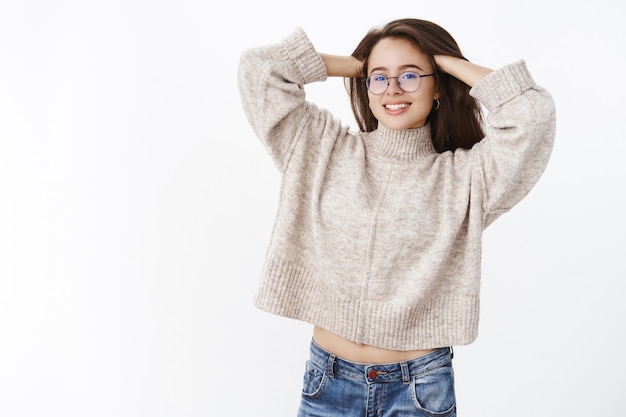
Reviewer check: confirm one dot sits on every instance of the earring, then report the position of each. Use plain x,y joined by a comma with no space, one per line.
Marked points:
436,104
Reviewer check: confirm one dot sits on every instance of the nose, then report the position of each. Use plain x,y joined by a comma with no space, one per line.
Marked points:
394,86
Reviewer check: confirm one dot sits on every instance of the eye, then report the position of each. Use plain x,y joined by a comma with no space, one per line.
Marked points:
378,78
409,75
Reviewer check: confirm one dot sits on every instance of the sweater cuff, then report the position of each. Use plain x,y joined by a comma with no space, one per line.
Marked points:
301,51
503,84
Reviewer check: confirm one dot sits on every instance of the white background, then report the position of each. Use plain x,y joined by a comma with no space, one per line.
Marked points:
136,206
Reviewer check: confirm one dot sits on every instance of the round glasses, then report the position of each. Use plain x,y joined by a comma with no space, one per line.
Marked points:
408,81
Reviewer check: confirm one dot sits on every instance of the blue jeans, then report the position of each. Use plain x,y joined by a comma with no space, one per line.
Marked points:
422,387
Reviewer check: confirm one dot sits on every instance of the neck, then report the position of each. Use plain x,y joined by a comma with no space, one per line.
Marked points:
402,145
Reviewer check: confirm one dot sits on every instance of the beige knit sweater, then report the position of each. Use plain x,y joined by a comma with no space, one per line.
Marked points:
377,237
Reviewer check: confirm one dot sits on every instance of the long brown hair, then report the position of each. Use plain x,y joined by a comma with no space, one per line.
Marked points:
457,123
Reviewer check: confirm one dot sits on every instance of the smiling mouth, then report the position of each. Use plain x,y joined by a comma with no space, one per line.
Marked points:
396,106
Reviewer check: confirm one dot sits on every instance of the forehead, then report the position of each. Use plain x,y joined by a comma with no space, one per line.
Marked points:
391,53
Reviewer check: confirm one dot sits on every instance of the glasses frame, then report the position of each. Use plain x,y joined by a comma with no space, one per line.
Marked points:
367,82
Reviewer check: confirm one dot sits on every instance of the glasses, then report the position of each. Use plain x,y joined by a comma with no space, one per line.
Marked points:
407,81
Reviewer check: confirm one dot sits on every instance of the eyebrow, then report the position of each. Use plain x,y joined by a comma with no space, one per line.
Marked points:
402,67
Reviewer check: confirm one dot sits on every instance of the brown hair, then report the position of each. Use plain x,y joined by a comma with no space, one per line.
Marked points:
458,121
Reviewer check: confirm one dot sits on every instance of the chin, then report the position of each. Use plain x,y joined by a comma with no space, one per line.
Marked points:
400,126
397,124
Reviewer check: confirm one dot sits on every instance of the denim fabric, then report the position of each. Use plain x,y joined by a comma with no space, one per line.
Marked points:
422,387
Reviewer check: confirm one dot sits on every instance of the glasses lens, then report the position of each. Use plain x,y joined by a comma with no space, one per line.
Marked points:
377,84
409,81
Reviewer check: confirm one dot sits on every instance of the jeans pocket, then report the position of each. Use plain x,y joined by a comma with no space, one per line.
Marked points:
433,392
314,380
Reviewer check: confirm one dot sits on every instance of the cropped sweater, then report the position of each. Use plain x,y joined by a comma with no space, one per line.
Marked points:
377,237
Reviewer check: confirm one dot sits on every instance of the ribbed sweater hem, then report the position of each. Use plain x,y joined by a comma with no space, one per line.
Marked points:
290,290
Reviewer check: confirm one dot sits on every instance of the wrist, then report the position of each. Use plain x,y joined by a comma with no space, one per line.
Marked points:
342,66
461,69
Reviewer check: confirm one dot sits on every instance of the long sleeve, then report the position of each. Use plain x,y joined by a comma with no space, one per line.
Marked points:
519,140
271,83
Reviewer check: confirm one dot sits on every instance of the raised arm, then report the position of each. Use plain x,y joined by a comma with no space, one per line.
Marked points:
271,83
520,132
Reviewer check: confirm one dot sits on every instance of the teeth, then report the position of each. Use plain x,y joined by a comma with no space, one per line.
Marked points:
396,106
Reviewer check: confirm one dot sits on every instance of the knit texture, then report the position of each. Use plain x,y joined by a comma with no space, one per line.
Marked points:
377,237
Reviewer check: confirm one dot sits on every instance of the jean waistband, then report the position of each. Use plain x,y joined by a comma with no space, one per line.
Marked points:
375,373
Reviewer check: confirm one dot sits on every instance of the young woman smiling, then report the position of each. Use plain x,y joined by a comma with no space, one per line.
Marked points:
377,239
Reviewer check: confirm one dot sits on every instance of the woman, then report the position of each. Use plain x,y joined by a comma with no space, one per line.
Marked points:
377,240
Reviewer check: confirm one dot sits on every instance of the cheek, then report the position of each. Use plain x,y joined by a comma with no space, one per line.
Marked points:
432,92
372,100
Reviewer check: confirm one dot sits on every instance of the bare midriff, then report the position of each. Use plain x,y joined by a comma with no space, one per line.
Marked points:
355,352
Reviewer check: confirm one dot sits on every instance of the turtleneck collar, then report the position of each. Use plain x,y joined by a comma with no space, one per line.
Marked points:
401,145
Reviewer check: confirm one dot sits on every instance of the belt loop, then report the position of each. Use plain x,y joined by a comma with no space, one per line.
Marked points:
330,365
406,377
451,353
